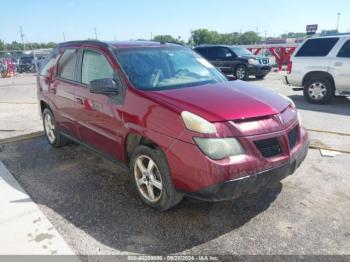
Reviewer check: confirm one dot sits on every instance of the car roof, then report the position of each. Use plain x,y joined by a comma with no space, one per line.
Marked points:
204,46
228,46
346,35
117,44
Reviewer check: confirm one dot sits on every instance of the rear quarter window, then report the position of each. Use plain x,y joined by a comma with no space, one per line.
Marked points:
48,63
345,50
317,47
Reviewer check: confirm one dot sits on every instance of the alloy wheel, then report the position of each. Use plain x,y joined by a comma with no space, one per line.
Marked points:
317,91
148,178
240,73
49,128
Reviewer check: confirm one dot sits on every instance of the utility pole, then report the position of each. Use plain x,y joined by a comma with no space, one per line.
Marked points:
64,37
338,22
22,37
151,36
95,31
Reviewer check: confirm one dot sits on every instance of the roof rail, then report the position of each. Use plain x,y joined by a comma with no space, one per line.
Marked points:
82,42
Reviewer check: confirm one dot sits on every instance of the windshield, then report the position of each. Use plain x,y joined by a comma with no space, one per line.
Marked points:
240,51
164,68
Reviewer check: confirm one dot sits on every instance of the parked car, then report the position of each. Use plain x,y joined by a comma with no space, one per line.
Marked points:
165,112
26,64
235,60
321,68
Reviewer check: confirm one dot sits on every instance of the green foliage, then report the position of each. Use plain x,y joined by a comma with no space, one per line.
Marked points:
249,37
204,36
29,46
294,35
329,32
167,38
2,45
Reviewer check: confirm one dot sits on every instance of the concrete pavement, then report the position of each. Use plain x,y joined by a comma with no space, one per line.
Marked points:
24,229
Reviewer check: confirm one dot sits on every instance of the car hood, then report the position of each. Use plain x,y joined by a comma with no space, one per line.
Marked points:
225,101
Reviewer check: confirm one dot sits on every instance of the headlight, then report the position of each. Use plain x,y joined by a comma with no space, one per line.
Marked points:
197,124
219,148
253,61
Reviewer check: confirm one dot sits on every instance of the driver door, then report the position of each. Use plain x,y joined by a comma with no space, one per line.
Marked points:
98,116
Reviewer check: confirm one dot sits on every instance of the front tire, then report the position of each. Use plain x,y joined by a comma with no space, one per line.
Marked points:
151,178
50,128
259,77
241,72
318,91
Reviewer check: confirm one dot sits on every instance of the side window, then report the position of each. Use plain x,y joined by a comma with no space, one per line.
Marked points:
67,63
48,63
202,51
317,47
345,50
224,53
95,66
211,53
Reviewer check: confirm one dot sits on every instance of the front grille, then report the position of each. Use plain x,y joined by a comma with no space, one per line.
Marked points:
264,61
293,137
269,147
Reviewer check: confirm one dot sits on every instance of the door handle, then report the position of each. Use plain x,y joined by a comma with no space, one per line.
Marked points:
338,63
79,100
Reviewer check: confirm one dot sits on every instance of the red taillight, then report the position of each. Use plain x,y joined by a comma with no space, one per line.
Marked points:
289,67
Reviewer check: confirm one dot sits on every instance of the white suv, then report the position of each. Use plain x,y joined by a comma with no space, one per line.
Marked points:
321,67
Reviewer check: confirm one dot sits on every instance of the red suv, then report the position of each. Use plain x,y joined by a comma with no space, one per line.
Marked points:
168,114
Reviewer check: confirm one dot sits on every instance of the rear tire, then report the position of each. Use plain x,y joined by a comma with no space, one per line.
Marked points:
318,91
241,72
52,134
151,178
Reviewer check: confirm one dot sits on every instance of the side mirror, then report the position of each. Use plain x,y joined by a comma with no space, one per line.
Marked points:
105,86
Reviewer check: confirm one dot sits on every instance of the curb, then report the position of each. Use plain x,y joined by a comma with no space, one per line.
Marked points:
21,138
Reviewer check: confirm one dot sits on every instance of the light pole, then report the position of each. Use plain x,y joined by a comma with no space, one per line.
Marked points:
338,22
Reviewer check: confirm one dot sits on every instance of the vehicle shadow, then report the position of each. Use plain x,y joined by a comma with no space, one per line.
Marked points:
338,105
96,197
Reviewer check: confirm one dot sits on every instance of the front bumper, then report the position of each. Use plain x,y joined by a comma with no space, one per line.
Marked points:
285,80
259,70
233,189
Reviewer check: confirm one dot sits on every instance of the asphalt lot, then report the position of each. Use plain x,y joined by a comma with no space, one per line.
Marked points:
90,201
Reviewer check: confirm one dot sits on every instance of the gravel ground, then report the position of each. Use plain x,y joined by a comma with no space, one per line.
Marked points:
90,202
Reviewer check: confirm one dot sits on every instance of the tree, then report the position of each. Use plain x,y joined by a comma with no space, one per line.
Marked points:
167,38
294,35
248,38
329,32
2,45
204,36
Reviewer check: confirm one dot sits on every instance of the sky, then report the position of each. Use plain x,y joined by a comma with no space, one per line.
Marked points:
59,20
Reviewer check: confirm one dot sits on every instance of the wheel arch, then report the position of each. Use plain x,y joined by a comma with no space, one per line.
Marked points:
133,140
44,105
318,75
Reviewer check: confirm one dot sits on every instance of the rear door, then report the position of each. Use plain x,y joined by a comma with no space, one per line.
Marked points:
62,90
222,59
98,116
341,66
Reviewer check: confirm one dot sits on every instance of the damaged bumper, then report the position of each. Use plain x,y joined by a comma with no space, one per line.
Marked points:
233,189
